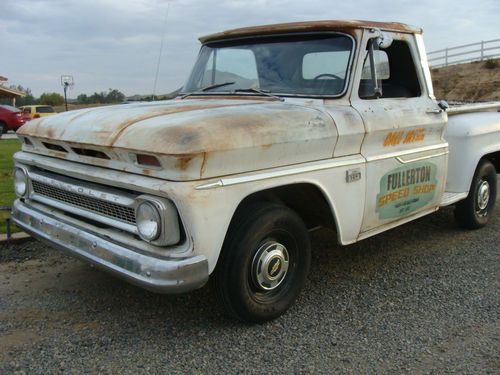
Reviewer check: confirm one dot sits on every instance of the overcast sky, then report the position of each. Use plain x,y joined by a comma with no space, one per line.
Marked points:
115,43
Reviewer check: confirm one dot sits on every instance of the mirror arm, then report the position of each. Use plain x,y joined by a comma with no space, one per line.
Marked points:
377,90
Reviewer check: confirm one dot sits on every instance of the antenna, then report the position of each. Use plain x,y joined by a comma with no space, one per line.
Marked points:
161,50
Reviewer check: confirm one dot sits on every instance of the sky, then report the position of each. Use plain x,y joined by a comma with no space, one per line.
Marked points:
115,44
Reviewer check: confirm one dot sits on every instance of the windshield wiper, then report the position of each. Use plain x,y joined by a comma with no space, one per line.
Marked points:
259,91
206,88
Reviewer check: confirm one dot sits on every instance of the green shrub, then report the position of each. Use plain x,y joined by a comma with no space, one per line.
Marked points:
491,64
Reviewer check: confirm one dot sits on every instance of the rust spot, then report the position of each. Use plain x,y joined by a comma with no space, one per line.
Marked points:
265,147
162,112
146,172
183,161
348,26
50,133
203,164
82,113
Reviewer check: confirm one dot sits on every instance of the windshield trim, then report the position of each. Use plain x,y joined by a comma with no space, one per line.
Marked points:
270,36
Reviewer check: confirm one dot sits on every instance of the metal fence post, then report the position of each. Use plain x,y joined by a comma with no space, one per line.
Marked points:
446,57
482,50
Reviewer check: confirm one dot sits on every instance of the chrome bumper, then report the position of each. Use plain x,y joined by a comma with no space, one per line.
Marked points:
162,275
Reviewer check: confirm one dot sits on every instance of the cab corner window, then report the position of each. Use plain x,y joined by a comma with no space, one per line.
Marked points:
393,74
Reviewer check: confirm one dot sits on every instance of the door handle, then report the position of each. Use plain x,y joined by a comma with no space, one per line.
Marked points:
435,111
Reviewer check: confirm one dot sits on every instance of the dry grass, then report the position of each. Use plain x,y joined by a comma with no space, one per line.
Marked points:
477,81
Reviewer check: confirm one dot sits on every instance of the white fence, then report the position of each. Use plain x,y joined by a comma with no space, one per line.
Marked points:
484,50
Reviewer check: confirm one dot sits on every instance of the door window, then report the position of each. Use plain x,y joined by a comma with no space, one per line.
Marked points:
394,70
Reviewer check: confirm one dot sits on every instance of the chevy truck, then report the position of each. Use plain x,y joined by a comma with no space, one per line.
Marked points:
279,130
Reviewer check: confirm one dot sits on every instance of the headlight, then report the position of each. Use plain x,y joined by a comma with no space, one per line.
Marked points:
148,221
20,182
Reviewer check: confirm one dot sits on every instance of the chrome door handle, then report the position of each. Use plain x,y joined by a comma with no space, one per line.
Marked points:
436,111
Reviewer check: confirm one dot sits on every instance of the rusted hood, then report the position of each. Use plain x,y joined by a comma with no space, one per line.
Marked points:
192,138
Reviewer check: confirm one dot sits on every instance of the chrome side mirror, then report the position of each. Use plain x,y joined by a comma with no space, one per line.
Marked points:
384,40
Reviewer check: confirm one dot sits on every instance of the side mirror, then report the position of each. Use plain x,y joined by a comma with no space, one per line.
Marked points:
384,40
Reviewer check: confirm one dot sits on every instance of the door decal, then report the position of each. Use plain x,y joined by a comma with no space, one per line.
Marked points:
406,189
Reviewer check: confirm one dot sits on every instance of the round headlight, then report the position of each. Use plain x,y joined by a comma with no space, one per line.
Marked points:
148,221
20,182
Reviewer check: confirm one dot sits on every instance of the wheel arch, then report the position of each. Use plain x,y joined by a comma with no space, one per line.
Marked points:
320,213
494,158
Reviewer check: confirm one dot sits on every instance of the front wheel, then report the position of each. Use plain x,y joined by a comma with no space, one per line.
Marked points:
264,263
474,212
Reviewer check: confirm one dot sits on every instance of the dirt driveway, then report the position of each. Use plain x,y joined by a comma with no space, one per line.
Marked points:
423,298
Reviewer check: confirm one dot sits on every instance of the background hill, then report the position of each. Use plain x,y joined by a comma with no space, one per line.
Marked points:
476,81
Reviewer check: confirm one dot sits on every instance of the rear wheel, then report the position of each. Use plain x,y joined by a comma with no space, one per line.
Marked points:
3,128
264,263
475,211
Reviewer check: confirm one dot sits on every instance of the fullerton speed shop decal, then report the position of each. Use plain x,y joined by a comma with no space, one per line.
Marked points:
406,189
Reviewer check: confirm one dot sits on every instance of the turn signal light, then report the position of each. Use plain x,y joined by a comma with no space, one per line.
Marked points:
148,160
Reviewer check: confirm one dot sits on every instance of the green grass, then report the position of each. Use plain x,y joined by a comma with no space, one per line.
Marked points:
7,196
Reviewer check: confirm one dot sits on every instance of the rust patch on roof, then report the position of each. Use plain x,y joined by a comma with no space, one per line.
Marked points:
295,27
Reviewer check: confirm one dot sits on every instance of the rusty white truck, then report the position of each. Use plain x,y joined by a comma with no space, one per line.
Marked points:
279,129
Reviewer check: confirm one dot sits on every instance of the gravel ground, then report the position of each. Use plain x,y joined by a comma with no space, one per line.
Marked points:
422,298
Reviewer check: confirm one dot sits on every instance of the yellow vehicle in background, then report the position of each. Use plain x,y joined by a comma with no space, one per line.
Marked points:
37,111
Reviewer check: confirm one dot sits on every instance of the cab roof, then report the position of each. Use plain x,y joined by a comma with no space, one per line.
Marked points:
311,26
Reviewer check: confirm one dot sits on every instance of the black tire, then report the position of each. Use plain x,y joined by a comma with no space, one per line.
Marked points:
255,279
475,211
3,128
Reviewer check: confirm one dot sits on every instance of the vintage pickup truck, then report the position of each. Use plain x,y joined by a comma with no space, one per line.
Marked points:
279,130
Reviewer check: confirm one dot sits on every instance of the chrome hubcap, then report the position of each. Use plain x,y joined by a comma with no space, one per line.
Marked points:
270,265
483,195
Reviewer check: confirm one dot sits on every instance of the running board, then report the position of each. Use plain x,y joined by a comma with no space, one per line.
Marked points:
450,198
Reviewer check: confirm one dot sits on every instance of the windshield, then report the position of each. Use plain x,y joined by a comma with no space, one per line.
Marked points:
300,65
45,109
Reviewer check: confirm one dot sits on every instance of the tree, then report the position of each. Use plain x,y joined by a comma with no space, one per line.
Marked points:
82,99
51,98
23,100
114,96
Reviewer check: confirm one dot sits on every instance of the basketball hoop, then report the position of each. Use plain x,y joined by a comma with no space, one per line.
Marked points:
67,81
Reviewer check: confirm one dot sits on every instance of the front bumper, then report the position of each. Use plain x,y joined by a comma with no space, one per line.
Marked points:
162,275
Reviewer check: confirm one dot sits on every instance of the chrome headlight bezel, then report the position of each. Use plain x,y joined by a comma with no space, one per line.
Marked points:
164,214
148,221
20,177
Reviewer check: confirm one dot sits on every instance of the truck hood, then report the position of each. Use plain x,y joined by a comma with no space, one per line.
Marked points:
192,139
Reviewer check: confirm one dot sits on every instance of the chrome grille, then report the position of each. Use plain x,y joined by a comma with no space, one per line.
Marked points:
112,210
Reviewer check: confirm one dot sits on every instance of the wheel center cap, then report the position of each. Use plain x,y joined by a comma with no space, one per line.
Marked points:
483,195
270,265
274,267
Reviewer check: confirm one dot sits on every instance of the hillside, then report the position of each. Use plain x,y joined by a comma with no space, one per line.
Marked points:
476,81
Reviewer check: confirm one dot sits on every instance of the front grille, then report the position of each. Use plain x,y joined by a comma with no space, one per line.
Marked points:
112,210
